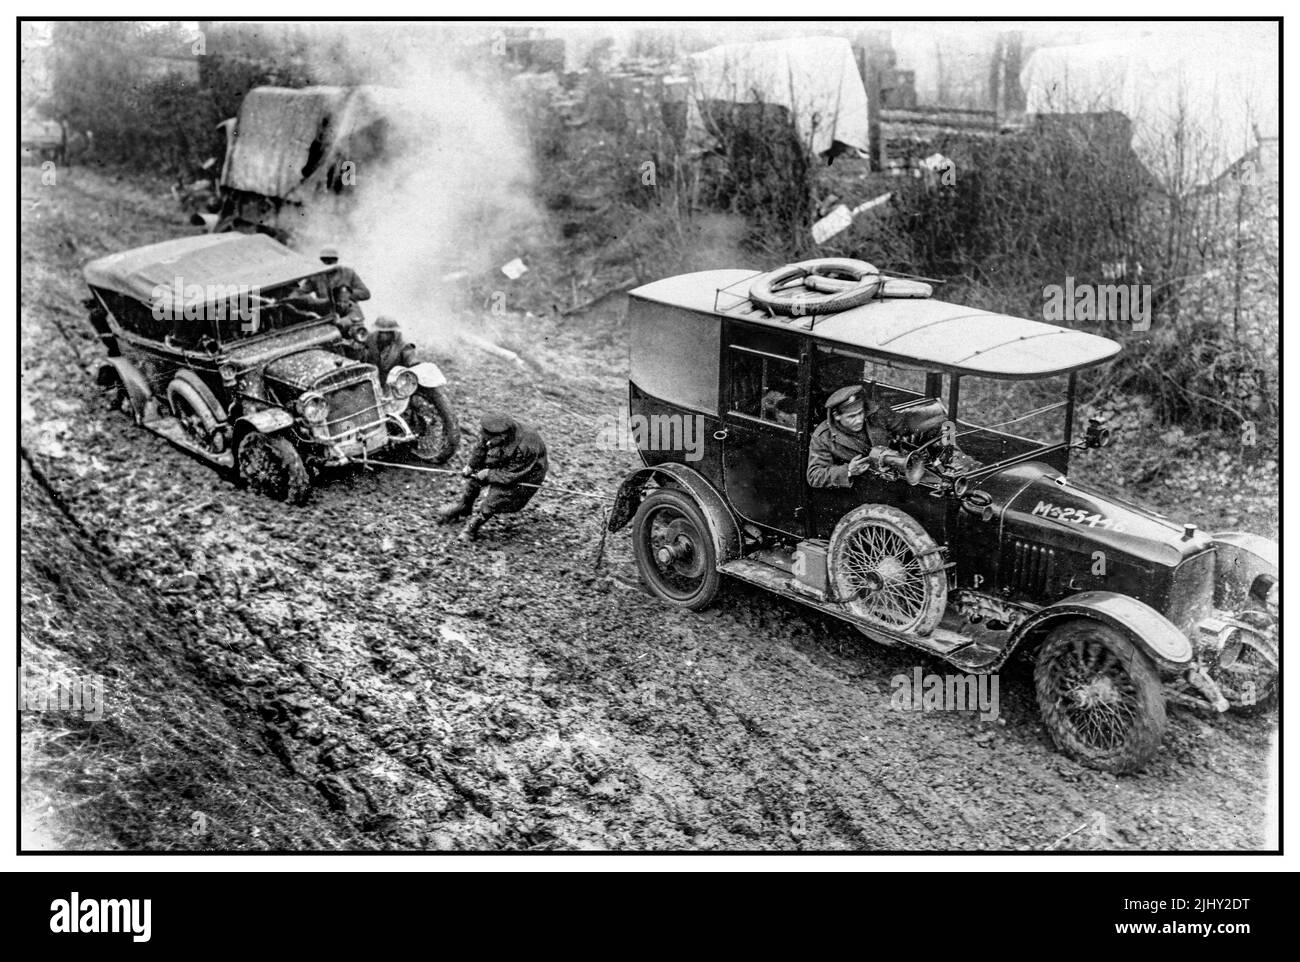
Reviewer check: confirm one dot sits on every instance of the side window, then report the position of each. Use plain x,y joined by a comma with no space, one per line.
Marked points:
136,317
891,385
764,387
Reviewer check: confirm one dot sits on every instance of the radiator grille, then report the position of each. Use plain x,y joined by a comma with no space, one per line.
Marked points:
351,407
1032,567
1191,590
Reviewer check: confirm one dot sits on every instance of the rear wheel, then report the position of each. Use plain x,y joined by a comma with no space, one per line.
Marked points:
271,466
1100,697
195,417
674,549
113,394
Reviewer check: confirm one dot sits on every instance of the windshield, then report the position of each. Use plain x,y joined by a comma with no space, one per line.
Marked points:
252,313
1001,419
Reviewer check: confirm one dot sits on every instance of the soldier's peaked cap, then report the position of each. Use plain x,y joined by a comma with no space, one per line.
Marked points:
846,399
386,323
495,423
329,251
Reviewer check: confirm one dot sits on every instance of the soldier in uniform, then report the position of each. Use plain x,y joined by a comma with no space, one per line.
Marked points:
347,314
384,347
338,276
510,461
855,423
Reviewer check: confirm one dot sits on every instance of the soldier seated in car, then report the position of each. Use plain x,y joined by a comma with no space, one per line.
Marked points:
510,461
339,275
855,423
347,314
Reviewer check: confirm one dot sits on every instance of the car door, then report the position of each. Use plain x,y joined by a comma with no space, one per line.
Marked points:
834,367
761,465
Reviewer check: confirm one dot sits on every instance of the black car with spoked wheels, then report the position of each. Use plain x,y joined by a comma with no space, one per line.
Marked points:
222,344
965,538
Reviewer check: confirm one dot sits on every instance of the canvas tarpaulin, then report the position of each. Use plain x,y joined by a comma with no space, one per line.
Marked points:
1197,104
815,78
281,138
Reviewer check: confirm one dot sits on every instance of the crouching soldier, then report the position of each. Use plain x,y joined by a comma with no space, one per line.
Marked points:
510,461
384,347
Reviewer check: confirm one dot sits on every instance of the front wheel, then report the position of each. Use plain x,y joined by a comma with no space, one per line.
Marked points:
271,466
674,549
434,421
1100,697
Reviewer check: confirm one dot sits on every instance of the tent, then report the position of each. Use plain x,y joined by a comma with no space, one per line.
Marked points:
815,78
1218,88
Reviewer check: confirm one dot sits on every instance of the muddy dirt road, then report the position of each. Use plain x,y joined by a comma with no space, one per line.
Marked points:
416,692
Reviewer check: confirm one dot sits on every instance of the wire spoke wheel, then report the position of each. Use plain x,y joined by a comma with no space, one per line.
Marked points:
1100,697
887,570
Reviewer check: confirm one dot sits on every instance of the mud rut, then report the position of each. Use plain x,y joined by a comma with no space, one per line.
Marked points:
514,694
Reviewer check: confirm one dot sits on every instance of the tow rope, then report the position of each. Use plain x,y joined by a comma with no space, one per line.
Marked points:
455,471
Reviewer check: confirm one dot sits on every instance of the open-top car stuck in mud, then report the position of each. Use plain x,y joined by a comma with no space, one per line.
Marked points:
960,535
223,345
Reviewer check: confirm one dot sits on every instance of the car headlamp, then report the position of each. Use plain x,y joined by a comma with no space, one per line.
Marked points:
402,382
313,408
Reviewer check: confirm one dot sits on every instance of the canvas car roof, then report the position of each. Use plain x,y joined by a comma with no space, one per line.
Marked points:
253,261
922,332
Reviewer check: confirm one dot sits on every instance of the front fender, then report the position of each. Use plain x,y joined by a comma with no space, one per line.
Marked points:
429,374
723,526
266,421
204,392
1240,559
1147,628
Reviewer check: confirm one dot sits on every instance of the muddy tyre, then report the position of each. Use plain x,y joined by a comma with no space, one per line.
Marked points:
195,416
674,549
886,570
270,466
1100,697
433,419
1246,670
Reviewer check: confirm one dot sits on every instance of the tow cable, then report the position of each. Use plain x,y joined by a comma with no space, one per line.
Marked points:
523,484
604,524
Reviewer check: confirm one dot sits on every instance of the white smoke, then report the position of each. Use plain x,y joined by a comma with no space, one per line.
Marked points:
454,191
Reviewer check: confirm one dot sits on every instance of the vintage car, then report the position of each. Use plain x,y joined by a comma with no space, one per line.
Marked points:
965,539
223,344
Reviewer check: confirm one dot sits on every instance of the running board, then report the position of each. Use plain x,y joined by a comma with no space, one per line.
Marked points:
170,428
947,643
